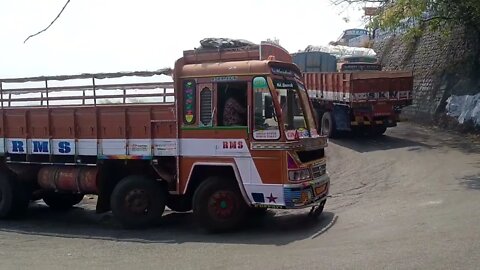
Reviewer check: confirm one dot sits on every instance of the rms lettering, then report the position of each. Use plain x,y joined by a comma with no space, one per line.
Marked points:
40,147
233,145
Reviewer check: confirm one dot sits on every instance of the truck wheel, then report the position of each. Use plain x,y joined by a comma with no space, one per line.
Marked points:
14,197
218,205
138,201
179,204
62,201
6,195
328,127
377,131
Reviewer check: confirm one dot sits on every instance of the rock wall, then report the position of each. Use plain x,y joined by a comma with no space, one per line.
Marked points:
442,67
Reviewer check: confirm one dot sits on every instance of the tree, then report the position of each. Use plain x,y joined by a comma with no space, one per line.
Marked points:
417,15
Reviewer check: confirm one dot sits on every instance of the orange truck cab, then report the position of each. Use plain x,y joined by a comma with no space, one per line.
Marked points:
236,133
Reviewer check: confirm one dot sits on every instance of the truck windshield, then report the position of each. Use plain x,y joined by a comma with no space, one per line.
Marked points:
296,111
265,121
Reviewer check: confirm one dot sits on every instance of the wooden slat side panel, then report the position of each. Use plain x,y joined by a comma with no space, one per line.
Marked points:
112,123
15,124
38,124
139,123
163,122
62,123
86,123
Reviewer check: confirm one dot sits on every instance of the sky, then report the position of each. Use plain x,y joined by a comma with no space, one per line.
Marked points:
126,35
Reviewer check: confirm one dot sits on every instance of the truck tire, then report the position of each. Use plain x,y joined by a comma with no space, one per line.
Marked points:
138,201
328,127
179,204
377,131
218,205
14,197
62,201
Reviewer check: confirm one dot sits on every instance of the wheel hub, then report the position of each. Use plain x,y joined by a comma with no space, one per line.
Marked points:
222,204
137,201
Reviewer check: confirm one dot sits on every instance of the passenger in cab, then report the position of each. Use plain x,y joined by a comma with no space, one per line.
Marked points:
235,111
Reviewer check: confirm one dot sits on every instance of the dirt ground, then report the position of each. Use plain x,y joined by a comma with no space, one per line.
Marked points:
407,200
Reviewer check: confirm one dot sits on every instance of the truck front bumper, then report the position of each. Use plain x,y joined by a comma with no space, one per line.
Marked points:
306,194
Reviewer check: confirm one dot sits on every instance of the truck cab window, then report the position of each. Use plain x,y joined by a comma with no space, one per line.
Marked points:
232,104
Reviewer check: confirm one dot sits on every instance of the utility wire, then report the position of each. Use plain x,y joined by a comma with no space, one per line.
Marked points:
38,33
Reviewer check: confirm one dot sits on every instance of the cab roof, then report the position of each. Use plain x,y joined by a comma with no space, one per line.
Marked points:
234,68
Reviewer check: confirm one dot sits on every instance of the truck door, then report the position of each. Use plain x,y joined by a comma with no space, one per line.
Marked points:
216,130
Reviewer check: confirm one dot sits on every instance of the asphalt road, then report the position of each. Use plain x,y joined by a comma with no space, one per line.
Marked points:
407,200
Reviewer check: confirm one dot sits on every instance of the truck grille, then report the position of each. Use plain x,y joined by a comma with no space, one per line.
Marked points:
319,170
308,156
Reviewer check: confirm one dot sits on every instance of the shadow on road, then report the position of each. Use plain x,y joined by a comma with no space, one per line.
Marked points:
414,137
365,144
437,138
471,182
275,228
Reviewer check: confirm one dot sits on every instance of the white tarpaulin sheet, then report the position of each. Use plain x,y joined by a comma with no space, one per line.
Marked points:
340,51
464,108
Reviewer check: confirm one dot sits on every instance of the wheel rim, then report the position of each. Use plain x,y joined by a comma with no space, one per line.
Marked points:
137,201
222,204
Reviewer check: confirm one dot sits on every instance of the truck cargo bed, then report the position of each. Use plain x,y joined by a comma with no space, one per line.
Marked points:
59,120
360,87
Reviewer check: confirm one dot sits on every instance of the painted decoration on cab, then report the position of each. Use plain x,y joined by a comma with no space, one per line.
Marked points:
189,101
266,134
300,133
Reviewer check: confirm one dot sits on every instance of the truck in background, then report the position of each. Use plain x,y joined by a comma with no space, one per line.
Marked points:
353,94
358,63
144,145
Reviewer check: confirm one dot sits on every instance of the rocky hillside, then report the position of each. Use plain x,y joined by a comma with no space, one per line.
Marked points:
442,66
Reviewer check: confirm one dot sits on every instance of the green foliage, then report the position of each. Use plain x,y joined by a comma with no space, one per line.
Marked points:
434,15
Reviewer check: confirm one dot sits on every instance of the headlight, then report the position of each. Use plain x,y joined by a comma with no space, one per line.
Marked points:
299,175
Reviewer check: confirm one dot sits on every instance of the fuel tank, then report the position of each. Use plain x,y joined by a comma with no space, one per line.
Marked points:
73,179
